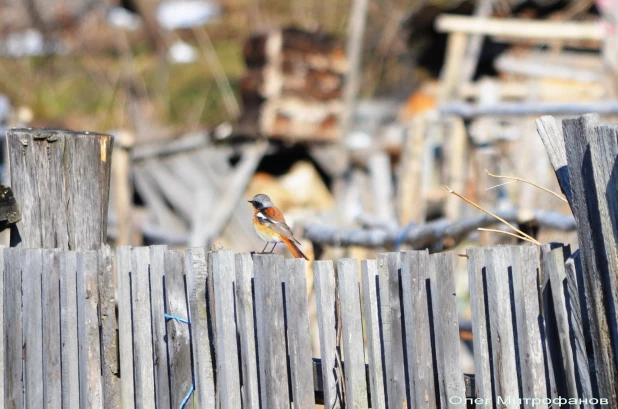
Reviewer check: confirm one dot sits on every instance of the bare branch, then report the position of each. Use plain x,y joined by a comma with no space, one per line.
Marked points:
493,215
517,179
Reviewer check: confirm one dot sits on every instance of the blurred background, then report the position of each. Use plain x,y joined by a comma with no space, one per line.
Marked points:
352,115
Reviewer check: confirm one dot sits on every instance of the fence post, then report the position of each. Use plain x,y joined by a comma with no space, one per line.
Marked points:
61,182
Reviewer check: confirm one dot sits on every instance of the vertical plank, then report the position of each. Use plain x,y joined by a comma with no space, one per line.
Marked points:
369,273
227,352
68,314
525,275
89,348
246,328
52,371
552,264
178,356
299,336
324,281
352,328
203,358
142,329
577,133
422,383
577,318
33,325
603,142
13,328
477,275
501,324
125,326
158,298
446,329
272,352
392,331
109,325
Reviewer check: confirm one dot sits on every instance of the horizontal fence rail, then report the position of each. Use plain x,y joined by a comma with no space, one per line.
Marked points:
224,330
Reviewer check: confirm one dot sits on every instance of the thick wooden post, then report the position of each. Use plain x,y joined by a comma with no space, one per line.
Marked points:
61,183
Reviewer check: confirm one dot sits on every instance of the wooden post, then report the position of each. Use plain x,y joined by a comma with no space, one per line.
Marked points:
61,182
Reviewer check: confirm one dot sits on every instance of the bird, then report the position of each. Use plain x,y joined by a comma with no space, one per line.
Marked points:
270,225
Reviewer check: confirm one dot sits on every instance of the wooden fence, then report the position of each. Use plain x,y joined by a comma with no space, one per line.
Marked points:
224,330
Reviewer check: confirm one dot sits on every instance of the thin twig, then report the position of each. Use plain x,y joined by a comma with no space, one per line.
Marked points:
505,232
501,184
492,215
517,179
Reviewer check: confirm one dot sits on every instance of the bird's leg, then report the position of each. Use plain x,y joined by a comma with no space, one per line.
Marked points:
264,249
273,249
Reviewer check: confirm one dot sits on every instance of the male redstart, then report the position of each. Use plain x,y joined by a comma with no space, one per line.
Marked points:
270,225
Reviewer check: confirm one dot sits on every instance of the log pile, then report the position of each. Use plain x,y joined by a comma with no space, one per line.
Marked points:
293,85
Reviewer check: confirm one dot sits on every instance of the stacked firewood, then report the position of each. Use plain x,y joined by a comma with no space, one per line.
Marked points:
293,85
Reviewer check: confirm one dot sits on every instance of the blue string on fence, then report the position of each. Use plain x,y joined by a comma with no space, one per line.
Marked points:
191,389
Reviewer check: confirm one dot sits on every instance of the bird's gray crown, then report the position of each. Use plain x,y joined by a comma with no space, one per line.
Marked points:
261,201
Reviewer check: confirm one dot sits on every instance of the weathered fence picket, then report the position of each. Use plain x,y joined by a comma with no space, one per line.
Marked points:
246,328
177,332
297,318
175,311
270,317
328,321
415,273
369,272
227,353
352,327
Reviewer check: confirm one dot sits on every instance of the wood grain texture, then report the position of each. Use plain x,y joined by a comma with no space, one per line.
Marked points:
446,329
525,276
552,138
228,378
203,356
159,295
89,348
477,276
552,264
415,267
502,323
246,329
13,328
369,273
33,325
577,315
392,329
68,314
577,133
603,142
125,326
299,335
142,329
109,325
177,334
50,288
324,282
352,330
53,164
272,354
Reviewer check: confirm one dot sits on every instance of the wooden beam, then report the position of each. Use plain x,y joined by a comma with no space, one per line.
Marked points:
465,110
521,28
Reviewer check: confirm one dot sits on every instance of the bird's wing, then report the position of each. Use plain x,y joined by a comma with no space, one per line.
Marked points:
273,218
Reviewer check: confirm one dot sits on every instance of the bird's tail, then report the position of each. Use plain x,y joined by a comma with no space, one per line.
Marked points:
294,248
